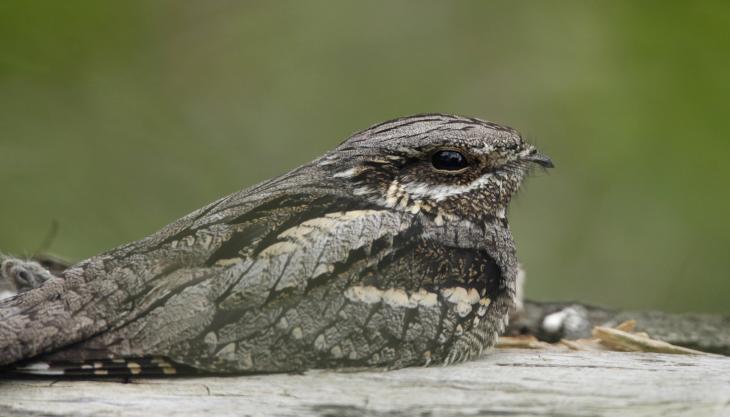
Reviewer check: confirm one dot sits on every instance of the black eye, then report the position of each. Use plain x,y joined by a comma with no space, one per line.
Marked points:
448,160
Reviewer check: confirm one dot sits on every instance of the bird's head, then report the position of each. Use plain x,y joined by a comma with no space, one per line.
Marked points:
448,166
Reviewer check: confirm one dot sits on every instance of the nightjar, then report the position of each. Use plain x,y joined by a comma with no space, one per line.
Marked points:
391,250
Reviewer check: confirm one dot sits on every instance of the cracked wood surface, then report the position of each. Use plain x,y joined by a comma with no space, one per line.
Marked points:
504,382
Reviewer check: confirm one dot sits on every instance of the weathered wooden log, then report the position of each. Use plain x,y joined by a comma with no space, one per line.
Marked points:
504,382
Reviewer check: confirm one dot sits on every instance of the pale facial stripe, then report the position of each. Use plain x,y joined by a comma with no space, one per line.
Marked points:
420,190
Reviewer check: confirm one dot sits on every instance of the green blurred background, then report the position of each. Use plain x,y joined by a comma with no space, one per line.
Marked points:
118,117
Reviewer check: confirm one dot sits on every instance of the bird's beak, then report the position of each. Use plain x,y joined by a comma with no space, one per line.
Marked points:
540,159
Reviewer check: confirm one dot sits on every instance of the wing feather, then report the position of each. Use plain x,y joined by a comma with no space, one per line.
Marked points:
268,253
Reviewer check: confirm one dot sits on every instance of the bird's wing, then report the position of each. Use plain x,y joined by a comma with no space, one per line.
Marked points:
106,290
170,291
346,288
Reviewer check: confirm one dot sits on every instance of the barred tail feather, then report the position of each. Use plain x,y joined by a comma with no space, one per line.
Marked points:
121,367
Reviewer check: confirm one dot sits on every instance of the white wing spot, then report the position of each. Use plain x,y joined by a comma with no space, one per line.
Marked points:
278,249
463,309
425,298
398,298
348,173
393,297
367,294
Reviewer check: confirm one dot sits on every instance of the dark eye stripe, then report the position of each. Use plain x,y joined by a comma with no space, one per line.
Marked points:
448,160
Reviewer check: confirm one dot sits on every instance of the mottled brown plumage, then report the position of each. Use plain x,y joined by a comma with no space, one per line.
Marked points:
391,250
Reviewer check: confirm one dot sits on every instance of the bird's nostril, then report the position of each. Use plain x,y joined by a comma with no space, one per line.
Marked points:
540,159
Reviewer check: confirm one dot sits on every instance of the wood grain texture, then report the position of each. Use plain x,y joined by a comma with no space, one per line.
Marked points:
504,382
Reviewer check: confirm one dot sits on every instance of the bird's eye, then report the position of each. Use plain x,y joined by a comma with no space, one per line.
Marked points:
448,160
